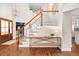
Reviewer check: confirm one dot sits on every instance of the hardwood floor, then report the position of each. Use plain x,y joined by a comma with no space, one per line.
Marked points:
12,51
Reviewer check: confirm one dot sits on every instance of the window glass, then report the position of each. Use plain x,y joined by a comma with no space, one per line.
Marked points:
6,24
6,30
2,23
4,27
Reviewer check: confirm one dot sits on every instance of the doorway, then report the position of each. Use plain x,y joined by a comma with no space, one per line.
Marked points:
19,25
75,28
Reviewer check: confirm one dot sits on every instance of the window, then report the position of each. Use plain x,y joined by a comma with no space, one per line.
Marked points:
4,27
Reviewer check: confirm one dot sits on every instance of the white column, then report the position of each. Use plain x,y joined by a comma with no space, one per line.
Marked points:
14,29
67,32
60,20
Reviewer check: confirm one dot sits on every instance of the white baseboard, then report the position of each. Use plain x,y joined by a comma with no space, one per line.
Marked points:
66,49
23,46
37,46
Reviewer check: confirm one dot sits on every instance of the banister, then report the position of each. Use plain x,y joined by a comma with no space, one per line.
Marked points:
24,26
28,23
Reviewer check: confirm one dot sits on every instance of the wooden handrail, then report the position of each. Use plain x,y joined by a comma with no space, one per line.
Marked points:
36,20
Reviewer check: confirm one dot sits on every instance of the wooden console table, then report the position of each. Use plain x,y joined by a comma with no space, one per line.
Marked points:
56,37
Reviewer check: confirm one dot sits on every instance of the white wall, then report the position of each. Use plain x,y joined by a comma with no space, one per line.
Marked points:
6,11
23,12
51,19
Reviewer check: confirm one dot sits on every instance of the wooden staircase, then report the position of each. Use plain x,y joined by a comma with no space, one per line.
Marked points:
43,41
